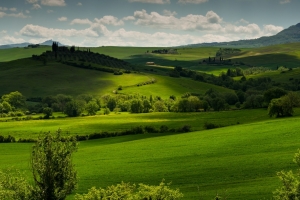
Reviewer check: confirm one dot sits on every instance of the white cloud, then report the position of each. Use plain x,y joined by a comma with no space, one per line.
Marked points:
271,29
109,20
32,1
242,21
129,18
36,6
53,2
27,11
43,32
285,1
17,15
152,1
50,11
3,32
3,9
79,4
2,14
10,40
169,13
13,9
192,1
190,22
62,19
81,21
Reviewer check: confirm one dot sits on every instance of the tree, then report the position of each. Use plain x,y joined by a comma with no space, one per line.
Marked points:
92,108
146,105
72,49
274,93
73,109
283,106
48,112
137,106
52,168
13,185
290,189
159,106
15,99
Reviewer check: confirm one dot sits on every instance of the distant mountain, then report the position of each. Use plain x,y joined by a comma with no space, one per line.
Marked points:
22,45
8,46
50,42
289,35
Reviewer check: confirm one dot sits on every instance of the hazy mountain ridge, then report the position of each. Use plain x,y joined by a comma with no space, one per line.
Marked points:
25,44
289,35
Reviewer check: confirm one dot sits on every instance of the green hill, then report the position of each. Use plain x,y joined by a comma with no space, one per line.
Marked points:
240,160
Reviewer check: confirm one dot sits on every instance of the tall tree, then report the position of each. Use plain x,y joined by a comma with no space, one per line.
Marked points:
52,167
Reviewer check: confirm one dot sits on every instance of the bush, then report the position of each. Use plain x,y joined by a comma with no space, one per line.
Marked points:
128,191
209,125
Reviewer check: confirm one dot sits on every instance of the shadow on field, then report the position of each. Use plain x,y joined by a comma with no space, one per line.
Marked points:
143,59
126,138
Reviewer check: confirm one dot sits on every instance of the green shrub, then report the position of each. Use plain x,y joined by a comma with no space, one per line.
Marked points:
127,191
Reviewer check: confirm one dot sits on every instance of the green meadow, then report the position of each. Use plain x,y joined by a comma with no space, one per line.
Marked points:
240,161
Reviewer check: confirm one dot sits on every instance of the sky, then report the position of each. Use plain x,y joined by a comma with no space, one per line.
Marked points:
93,23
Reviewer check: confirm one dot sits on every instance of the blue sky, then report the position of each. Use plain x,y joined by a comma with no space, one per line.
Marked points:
143,22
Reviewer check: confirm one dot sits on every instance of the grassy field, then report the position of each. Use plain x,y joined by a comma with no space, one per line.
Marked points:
241,160
125,121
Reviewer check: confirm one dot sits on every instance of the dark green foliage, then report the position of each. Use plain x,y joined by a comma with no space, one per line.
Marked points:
283,106
92,107
111,103
48,112
210,125
274,93
137,106
7,139
73,108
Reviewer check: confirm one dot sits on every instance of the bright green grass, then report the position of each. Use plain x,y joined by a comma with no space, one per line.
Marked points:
242,159
167,86
125,121
19,53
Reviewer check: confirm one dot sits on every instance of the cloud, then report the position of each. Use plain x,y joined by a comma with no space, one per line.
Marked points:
109,20
190,22
31,30
53,2
17,15
50,11
36,6
13,9
192,1
10,40
81,21
27,11
242,21
129,18
285,1
32,1
79,4
3,9
271,29
152,1
169,13
62,19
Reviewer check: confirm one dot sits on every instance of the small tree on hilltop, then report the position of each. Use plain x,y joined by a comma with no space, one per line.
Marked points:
52,168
